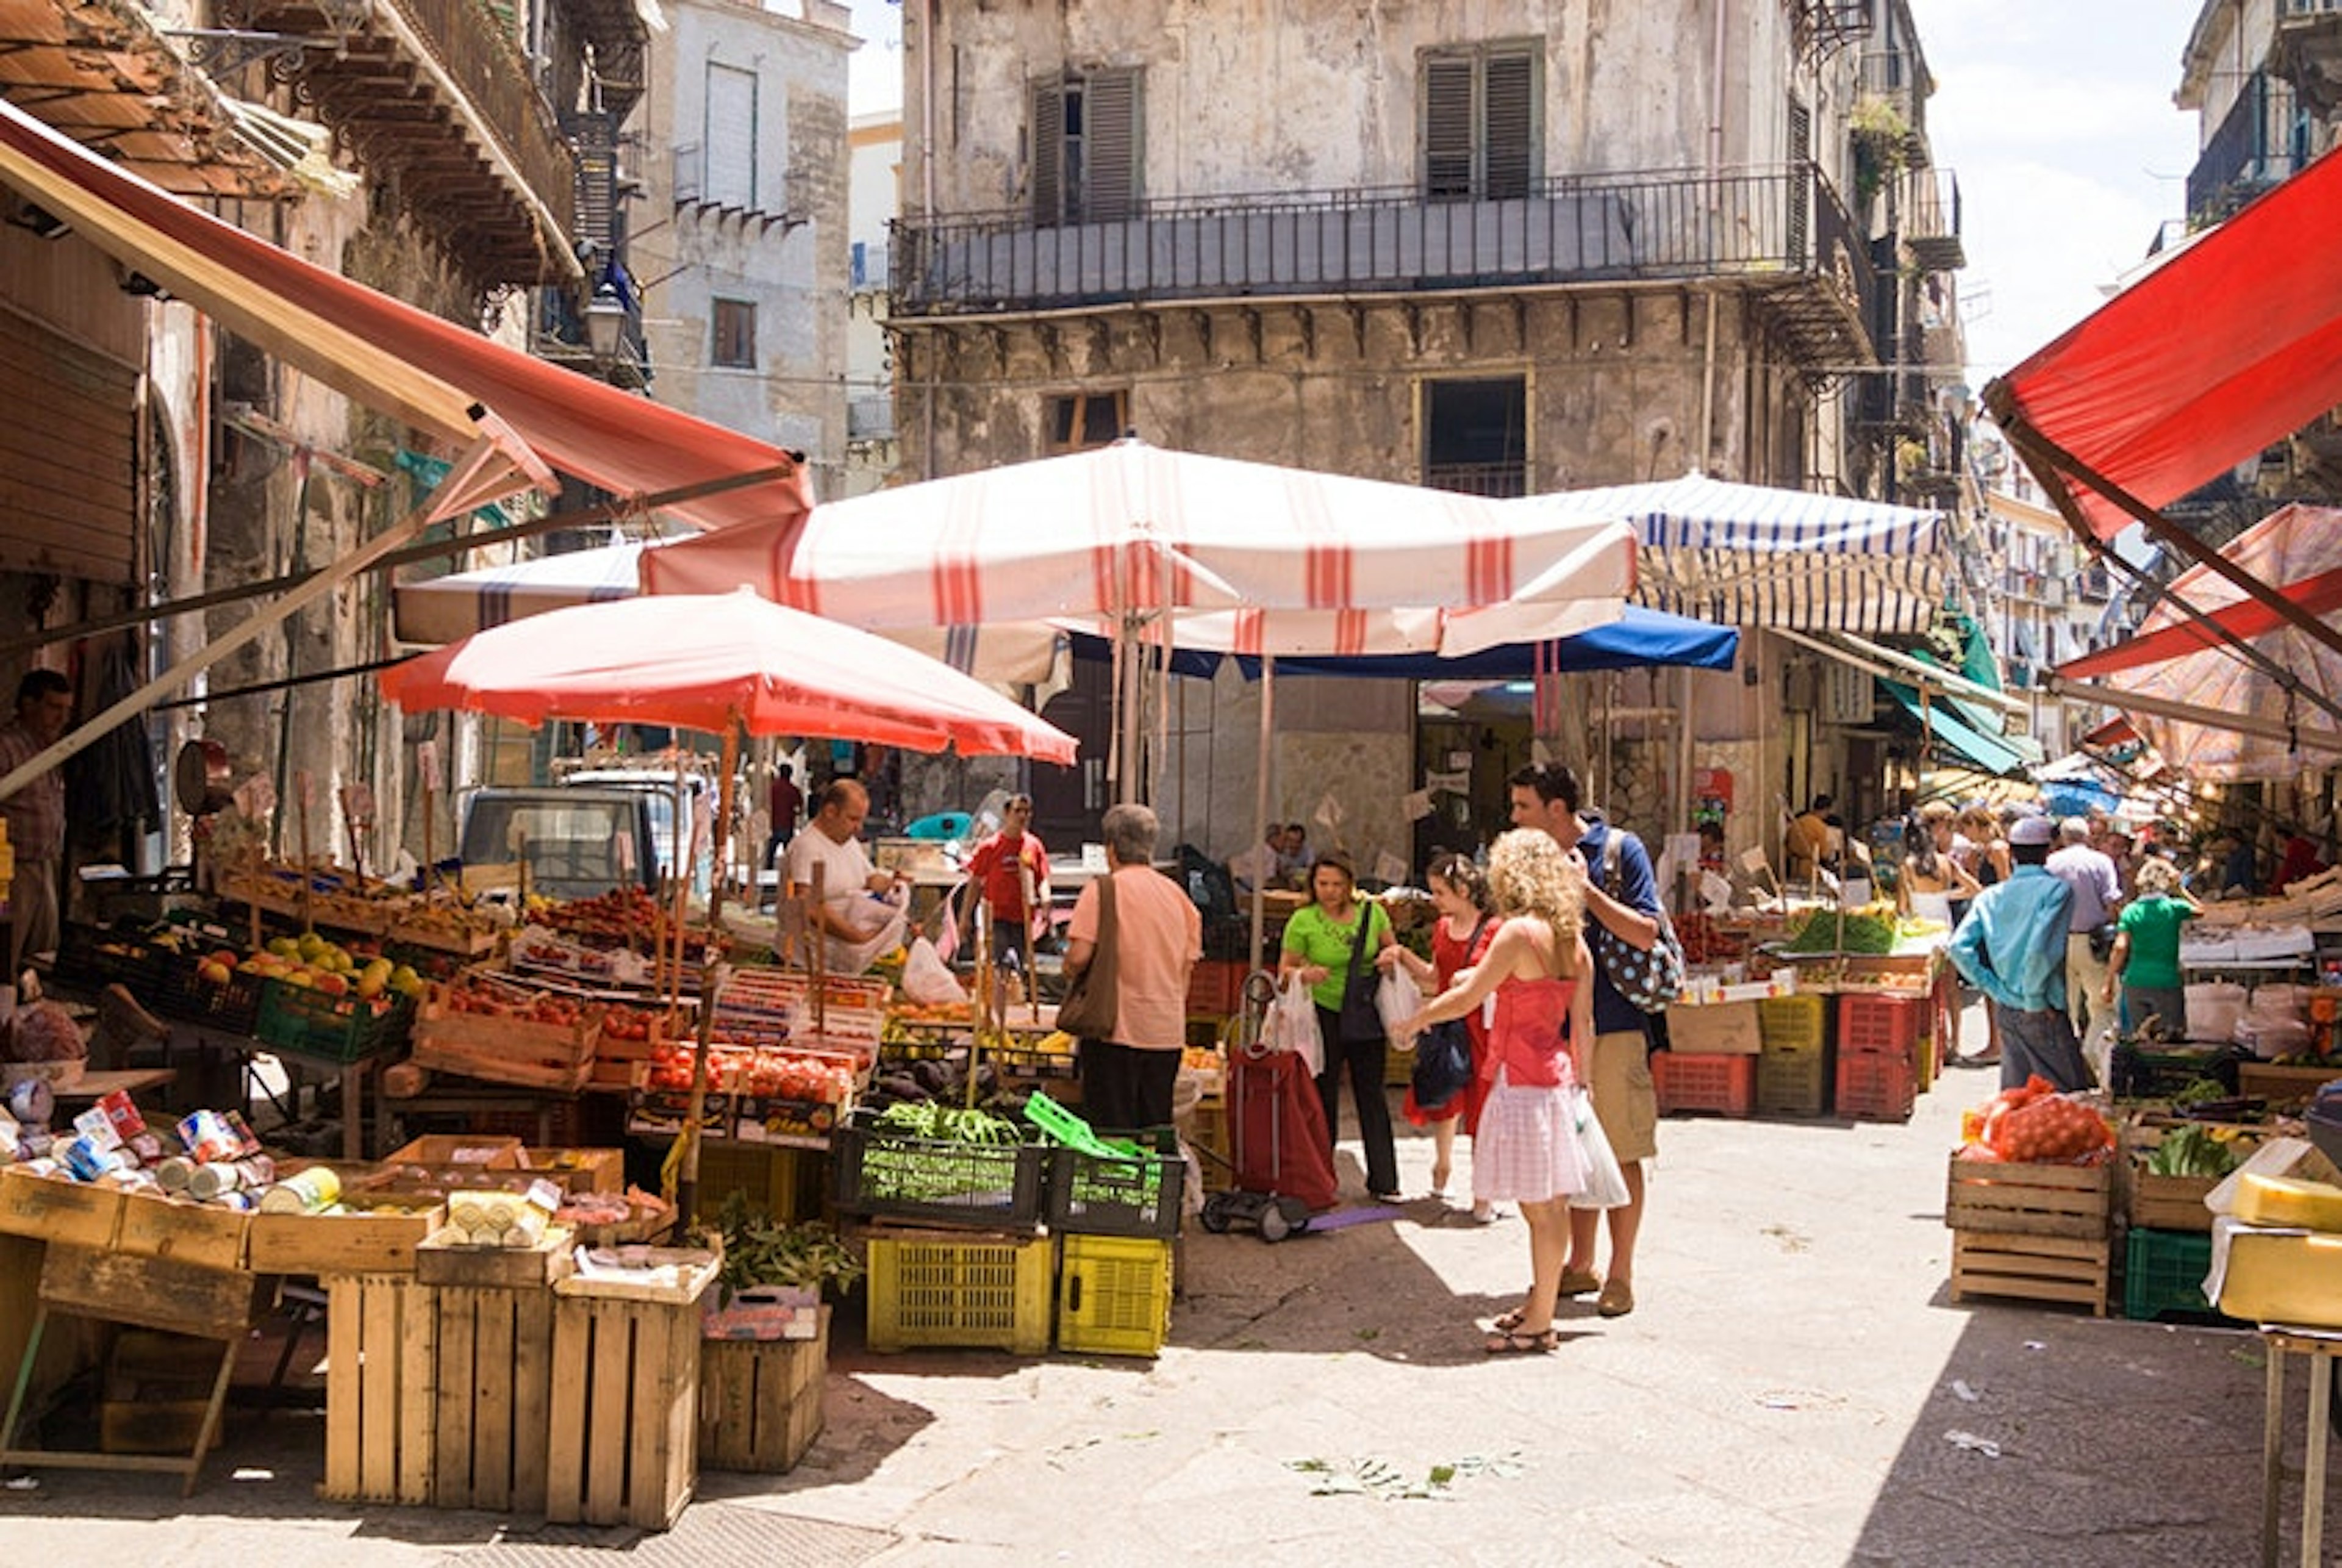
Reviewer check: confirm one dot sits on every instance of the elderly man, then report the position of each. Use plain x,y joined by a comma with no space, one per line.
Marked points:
850,922
1546,796
2012,947
2089,936
1156,936
35,814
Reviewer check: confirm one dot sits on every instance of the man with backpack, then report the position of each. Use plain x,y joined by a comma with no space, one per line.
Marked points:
1622,899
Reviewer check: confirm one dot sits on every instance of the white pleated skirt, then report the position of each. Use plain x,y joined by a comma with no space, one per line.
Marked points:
1527,1149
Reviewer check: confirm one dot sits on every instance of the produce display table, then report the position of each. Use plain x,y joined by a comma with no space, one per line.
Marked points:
2319,1348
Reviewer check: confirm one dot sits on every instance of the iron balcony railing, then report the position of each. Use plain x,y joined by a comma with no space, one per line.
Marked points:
1496,481
2245,156
487,66
1783,223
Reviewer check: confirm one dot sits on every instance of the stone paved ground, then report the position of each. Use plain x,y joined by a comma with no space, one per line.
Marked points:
1788,1391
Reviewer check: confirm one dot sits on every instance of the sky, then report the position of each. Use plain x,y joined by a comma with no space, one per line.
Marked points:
2055,115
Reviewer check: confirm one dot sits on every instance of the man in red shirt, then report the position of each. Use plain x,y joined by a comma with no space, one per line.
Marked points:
1009,872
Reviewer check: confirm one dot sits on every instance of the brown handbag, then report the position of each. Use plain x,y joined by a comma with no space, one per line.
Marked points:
1093,1002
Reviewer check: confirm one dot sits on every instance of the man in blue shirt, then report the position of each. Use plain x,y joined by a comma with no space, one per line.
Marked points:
2012,946
1546,796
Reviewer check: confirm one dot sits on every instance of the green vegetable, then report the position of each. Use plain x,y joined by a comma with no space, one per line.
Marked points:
2191,1152
1825,931
761,1251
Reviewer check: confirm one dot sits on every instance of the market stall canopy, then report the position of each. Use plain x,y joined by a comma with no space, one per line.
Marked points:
431,373
2233,344
1128,529
1979,744
1637,639
1752,556
709,662
2210,710
443,609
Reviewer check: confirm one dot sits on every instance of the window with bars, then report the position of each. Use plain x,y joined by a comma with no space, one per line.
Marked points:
1481,109
1085,151
1475,437
734,342
1082,420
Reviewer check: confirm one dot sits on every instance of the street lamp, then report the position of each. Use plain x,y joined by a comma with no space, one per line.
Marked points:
606,316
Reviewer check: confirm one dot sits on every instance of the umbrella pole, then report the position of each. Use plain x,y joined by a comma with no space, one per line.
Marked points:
686,1188
1260,805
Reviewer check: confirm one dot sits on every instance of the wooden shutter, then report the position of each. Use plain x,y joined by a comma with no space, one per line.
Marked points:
1510,121
1048,153
1448,128
1801,183
730,179
1110,146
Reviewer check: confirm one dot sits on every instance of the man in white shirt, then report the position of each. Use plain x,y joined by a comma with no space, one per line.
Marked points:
1258,866
847,919
2098,893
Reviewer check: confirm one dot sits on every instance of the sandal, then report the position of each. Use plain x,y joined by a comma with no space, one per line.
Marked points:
1509,1344
1506,1321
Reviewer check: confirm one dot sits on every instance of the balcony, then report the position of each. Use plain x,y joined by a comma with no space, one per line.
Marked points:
1932,228
439,103
1782,233
2242,159
1495,480
2308,53
557,332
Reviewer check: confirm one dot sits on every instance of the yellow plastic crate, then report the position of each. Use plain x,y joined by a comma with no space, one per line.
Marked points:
981,1292
1114,1295
785,1182
1794,1024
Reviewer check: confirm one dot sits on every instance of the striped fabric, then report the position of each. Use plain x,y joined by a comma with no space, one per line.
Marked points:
1750,555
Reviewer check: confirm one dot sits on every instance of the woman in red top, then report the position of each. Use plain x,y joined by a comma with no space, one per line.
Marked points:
1528,1149
1459,941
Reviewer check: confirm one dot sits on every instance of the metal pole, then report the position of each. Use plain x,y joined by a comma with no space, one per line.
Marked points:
1260,804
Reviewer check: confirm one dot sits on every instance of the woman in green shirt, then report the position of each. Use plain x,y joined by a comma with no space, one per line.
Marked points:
1320,941
2145,959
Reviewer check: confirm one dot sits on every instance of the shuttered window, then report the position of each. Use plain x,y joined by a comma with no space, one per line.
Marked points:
1085,148
731,175
1481,122
732,340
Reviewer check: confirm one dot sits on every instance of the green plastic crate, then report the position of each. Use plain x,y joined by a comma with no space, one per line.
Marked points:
2163,1273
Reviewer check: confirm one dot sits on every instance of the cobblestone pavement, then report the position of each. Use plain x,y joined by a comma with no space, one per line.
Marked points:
1795,1387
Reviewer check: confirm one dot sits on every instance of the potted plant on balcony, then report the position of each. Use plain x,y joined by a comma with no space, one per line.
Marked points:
1882,144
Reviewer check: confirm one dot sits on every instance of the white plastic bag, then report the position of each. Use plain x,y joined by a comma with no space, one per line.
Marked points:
928,980
1397,998
1606,1183
1292,1024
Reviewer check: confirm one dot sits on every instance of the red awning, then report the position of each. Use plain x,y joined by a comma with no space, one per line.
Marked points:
2233,344
2245,619
388,355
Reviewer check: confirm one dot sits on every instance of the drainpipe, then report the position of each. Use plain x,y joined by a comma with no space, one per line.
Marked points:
927,199
1715,171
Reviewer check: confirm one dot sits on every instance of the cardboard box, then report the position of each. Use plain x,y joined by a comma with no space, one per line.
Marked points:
1722,1029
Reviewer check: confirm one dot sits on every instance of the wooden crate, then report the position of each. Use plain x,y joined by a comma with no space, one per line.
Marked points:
2010,1198
625,1409
200,1233
480,1150
501,1050
1207,1129
2153,1201
2070,1268
492,1386
760,1400
441,1261
382,1241
381,1409
154,1292
53,1209
578,1170
2282,1086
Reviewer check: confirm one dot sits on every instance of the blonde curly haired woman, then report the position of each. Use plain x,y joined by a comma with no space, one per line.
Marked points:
1530,1149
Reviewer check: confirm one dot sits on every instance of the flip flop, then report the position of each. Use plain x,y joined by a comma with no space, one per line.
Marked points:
1510,1343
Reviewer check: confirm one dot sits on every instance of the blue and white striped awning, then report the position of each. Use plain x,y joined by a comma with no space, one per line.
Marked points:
1750,555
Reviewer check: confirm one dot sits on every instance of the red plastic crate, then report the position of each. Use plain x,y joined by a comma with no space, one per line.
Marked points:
1694,1080
1872,1087
1880,1025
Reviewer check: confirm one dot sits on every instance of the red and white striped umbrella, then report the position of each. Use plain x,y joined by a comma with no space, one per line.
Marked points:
1130,529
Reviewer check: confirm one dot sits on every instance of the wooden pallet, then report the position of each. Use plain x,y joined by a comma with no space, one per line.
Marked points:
492,1395
381,1417
2070,1268
2013,1198
760,1400
625,1411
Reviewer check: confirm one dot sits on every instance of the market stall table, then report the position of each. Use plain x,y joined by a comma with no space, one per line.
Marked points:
2320,1348
128,1080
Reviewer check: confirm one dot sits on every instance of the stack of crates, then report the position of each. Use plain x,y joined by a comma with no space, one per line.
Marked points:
1878,1040
1793,1063
1119,1219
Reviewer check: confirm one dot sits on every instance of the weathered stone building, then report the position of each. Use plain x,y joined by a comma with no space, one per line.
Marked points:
1509,247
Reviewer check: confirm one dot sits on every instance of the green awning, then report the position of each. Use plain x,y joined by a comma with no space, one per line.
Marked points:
1995,754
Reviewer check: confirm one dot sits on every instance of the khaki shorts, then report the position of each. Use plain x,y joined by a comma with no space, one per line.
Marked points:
1624,1098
